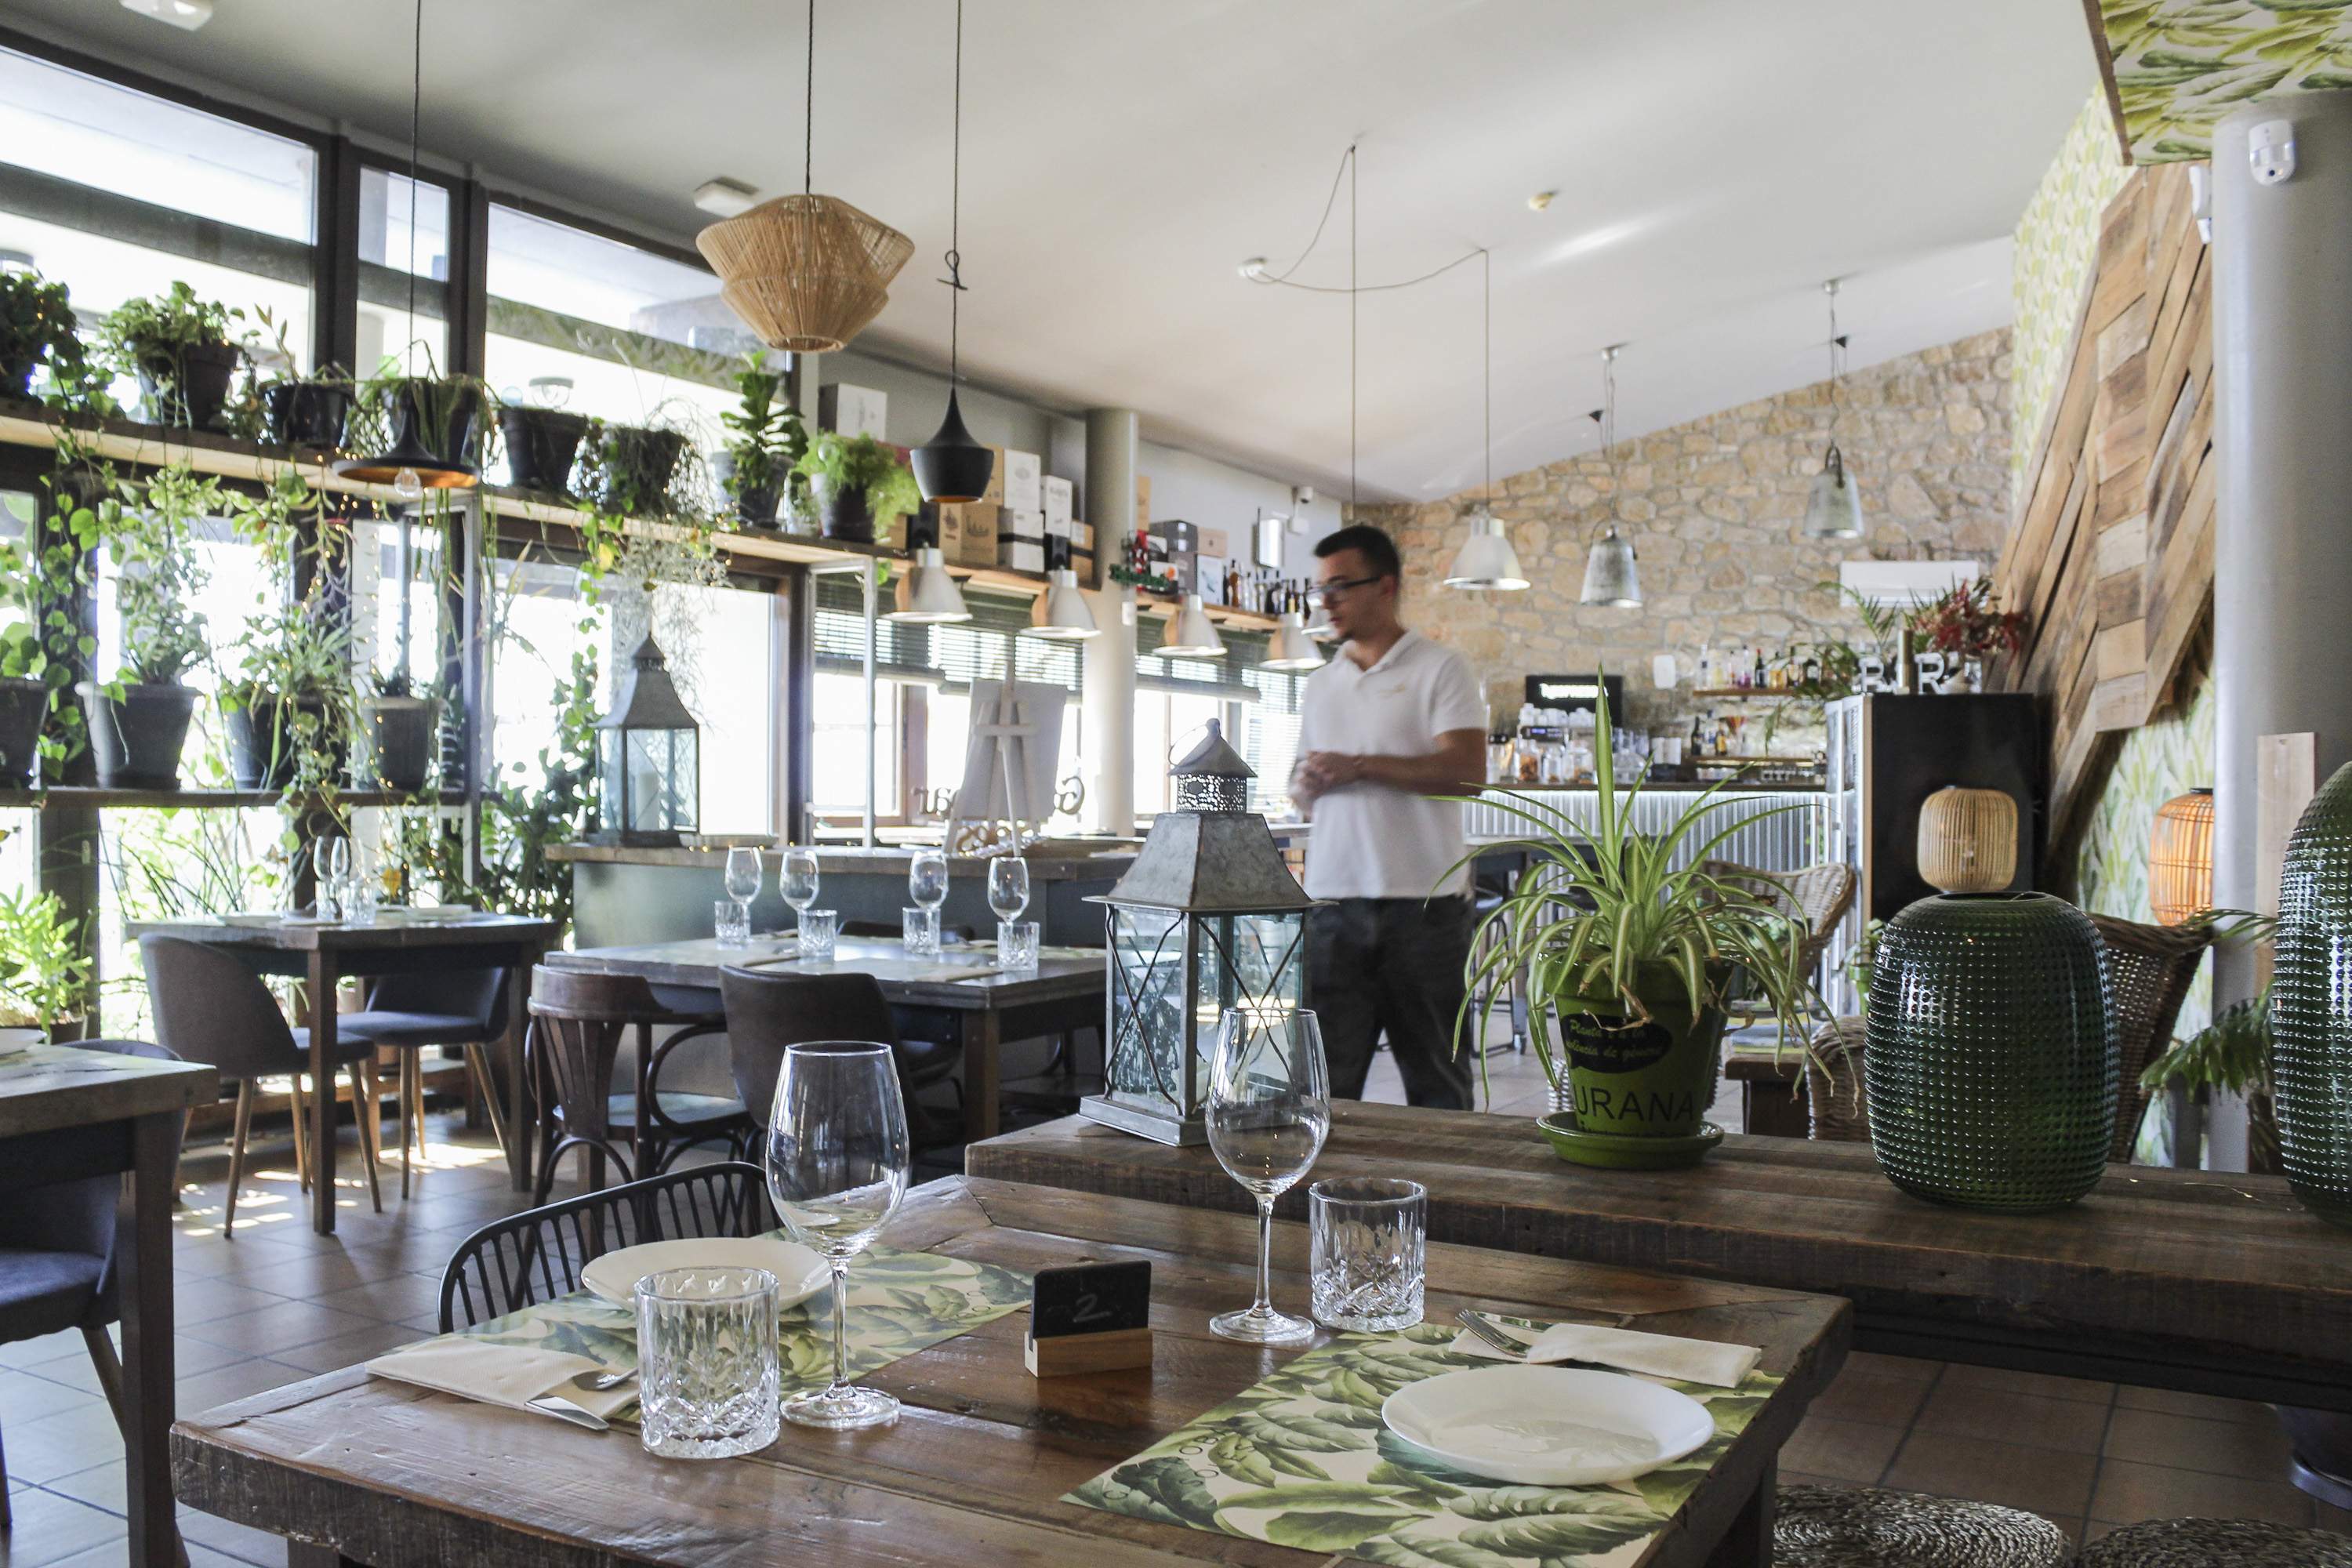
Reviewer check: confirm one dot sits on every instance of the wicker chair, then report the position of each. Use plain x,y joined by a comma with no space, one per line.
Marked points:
1835,1527
2217,1543
1819,895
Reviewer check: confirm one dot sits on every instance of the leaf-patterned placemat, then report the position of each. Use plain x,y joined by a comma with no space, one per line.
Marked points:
899,1302
1301,1458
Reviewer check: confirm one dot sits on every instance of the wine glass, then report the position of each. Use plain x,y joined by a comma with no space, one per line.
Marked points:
926,877
798,881
1269,1111
838,1156
744,875
339,865
322,876
1008,886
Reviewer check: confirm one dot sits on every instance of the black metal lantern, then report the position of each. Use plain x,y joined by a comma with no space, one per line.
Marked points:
648,757
1207,920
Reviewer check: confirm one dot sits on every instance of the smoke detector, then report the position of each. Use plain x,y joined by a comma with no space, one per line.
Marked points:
185,15
721,197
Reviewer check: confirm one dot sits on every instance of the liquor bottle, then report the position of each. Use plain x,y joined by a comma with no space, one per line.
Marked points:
1760,669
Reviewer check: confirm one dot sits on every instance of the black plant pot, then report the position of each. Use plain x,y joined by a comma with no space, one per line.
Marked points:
136,737
188,388
639,466
541,444
755,505
842,512
261,744
450,437
396,736
16,376
23,703
305,413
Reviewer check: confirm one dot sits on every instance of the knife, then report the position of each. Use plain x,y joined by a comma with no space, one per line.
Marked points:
563,1409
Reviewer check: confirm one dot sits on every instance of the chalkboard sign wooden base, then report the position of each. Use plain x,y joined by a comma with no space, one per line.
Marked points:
1076,1355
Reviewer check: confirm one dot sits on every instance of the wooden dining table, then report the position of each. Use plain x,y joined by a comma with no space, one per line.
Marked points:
985,1006
976,1469
2214,1282
68,1113
323,955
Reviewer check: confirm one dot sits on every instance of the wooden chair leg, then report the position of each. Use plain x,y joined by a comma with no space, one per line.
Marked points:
244,1091
7,1515
407,1106
361,1106
486,1089
301,1130
109,1367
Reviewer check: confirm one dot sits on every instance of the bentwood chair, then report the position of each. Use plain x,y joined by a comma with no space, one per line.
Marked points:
210,1008
769,1011
577,1020
57,1267
537,1256
413,1013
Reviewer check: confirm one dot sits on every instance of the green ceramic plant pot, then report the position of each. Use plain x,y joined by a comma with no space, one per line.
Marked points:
2311,1006
1643,1076
1992,1051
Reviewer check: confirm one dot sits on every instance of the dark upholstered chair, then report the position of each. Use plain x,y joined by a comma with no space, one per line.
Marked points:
210,1008
412,1014
770,1010
577,1019
57,1265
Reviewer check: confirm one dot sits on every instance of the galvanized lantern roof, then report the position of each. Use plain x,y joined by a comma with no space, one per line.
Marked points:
645,697
1214,856
1214,757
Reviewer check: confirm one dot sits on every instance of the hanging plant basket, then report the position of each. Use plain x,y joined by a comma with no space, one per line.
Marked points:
263,746
639,469
541,444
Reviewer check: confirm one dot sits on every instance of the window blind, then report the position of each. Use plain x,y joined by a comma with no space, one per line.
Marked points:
950,656
1226,677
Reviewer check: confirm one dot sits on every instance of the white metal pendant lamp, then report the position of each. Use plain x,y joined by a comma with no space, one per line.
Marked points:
1612,575
1192,635
951,466
1833,510
807,272
1486,559
1061,612
1294,648
925,594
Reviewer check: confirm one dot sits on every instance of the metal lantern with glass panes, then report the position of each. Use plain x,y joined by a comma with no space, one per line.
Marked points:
648,757
1208,919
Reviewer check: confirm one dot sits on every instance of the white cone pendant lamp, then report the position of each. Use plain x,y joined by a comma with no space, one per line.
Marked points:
927,593
1612,575
1061,612
1833,510
1192,635
1294,646
1486,560
953,467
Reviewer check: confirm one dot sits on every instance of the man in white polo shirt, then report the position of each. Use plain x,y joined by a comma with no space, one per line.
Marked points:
1391,723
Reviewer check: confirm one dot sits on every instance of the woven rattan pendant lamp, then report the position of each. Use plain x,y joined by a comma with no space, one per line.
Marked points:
951,466
807,272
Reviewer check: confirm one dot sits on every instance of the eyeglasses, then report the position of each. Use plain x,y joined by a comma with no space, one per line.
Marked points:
1324,593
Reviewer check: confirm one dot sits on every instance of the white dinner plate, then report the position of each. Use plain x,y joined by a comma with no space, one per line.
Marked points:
1547,1425
800,1272
14,1040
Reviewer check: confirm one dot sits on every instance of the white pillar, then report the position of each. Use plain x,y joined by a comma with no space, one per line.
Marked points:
1107,706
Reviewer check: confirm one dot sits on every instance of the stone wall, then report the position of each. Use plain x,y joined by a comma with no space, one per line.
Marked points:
1716,510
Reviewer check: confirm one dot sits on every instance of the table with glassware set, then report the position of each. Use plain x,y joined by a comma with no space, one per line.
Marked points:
1419,1422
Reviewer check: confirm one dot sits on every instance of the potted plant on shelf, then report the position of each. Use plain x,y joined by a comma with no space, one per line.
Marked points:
397,728
290,706
1637,957
37,328
44,974
860,483
442,412
24,695
181,351
1968,627
632,470
541,443
139,720
287,407
765,440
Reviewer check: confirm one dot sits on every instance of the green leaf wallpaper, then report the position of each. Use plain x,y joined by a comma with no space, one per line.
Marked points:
2057,239
2182,65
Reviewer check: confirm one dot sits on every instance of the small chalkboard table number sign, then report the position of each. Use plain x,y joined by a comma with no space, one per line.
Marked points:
1091,1317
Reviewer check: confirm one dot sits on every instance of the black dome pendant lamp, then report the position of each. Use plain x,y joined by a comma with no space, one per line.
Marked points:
951,466
409,466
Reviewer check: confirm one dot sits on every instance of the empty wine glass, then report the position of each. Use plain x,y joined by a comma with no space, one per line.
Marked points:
322,875
798,881
1269,1111
838,1156
926,877
1008,886
743,874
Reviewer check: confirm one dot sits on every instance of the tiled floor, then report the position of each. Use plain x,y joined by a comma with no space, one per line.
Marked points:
278,1303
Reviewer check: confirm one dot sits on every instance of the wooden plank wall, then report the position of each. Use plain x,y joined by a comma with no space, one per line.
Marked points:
2111,550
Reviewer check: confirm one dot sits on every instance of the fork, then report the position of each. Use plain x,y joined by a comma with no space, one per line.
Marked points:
598,1381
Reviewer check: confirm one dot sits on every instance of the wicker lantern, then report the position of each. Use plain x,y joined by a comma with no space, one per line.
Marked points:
2180,858
1968,840
648,757
807,272
1206,920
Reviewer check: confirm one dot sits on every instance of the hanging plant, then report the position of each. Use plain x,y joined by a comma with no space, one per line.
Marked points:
183,351
139,717
860,484
766,439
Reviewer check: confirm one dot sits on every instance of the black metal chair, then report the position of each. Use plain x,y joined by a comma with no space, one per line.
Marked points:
769,1011
211,1008
537,1256
413,1013
58,1265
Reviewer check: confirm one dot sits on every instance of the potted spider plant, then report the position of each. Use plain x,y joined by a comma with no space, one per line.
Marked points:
1637,949
860,483
181,351
139,720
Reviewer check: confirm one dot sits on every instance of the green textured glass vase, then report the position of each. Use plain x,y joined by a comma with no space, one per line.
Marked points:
1991,1046
2311,1006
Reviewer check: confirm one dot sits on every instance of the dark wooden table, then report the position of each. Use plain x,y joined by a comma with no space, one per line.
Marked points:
66,1114
382,1473
2214,1282
1066,991
322,955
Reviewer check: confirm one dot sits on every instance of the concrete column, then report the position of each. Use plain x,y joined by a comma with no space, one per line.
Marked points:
2283,436
1108,699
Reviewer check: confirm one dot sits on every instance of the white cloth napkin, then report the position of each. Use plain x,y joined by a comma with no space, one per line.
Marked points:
1660,1355
512,1375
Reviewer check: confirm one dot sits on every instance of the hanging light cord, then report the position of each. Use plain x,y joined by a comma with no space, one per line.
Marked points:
1352,327
1346,175
954,280
415,117
1837,358
808,106
1486,359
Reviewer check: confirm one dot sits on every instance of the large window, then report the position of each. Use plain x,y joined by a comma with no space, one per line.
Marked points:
1176,697
403,303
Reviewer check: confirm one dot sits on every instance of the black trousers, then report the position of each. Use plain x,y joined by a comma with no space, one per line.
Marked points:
1392,967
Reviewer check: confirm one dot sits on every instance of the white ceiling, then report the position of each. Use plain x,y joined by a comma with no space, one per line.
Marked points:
1715,160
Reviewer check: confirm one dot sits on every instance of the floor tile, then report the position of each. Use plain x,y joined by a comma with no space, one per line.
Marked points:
1882,1365
397,1299
1859,1396
216,1299
1970,1411
213,1389
2004,1381
2045,1480
50,1528
1854,1451
25,1397
238,1542
48,1347
40,1451
2258,1451
349,1350
2204,1406
277,1327
2129,1492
